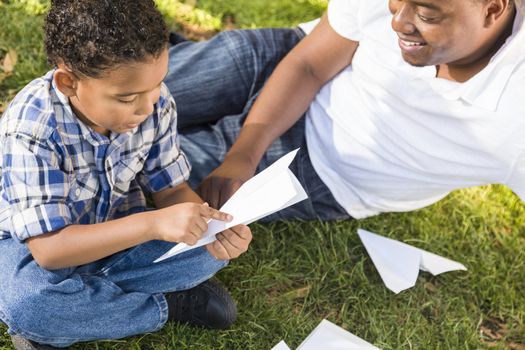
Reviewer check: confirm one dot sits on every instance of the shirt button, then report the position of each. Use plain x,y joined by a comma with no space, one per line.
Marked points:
77,192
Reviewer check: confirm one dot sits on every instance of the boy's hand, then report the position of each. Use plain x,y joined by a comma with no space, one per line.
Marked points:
231,243
185,222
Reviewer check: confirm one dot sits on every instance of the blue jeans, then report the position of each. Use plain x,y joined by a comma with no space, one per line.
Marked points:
112,298
214,84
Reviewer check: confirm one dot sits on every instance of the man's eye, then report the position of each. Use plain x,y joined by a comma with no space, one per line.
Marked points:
427,19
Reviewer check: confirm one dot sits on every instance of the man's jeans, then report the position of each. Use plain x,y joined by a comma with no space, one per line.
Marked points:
108,299
214,84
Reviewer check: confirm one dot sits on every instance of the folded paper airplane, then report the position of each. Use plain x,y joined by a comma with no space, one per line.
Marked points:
328,336
398,263
271,190
281,346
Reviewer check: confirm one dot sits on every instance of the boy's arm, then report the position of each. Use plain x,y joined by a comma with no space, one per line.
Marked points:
76,245
283,100
174,195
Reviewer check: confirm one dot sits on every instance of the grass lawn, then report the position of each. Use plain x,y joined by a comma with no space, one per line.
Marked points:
296,274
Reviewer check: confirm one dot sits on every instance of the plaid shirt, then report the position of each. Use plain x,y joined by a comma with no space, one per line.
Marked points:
56,171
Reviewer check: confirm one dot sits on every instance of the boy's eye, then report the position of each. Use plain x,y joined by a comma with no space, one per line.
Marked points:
127,101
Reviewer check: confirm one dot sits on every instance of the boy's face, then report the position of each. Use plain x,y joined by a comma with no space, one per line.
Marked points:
123,98
434,32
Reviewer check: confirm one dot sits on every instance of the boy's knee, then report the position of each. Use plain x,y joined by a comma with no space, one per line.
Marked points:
27,315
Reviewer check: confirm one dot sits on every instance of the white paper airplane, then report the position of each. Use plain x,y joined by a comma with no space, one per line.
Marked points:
281,346
271,190
398,263
328,336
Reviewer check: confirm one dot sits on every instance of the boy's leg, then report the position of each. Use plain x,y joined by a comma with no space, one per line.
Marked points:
112,298
217,78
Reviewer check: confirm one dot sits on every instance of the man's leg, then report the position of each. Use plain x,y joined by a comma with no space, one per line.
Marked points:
217,78
112,298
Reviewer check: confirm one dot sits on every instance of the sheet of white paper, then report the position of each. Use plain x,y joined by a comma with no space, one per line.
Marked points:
328,336
281,346
271,190
398,263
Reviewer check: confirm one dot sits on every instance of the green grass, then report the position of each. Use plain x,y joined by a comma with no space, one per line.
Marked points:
296,274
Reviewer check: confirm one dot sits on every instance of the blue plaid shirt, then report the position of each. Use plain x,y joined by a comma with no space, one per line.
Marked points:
56,171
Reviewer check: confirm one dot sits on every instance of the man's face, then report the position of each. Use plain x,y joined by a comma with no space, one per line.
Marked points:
123,98
433,32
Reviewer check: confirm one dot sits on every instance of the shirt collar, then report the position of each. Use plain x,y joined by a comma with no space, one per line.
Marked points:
486,88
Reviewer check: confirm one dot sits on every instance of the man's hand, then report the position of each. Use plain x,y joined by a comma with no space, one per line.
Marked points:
231,243
222,183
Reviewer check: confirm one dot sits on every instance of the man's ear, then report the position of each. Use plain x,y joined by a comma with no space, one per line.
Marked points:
494,10
66,81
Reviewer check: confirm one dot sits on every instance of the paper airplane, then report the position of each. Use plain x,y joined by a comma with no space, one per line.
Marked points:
281,346
398,263
271,190
328,336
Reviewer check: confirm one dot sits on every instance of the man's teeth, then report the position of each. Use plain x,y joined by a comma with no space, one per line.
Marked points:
410,43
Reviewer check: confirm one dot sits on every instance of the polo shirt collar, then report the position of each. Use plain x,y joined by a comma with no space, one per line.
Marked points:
486,88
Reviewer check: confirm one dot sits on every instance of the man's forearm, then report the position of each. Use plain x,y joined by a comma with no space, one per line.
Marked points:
291,88
282,102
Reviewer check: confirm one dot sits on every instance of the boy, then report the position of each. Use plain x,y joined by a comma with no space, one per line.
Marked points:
79,146
393,103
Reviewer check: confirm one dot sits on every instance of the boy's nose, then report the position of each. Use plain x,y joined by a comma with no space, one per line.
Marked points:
146,105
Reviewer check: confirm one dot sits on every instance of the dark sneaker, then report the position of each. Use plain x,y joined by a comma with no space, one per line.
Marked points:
176,38
21,343
207,305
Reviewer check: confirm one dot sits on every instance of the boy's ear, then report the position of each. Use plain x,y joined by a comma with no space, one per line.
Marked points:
66,81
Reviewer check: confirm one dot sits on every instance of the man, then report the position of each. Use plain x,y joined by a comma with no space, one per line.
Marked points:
393,104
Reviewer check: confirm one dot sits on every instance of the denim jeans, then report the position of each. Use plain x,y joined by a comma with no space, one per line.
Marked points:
108,299
214,84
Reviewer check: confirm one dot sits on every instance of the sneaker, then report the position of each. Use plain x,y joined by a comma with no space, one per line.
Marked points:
207,305
21,343
176,38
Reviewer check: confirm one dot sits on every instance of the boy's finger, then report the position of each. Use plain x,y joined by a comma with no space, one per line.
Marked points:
218,251
232,250
242,231
208,212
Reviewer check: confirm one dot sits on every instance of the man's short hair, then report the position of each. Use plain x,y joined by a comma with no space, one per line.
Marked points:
93,36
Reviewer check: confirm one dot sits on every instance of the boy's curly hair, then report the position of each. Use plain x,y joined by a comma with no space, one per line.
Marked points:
93,36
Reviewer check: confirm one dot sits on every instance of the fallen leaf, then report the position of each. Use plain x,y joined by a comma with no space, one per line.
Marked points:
9,61
516,346
297,293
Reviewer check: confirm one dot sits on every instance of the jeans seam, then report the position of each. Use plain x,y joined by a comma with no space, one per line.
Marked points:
160,299
231,42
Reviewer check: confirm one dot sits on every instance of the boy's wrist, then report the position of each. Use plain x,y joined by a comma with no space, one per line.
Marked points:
149,219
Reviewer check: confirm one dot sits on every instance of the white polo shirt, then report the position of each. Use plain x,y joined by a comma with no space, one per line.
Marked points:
385,136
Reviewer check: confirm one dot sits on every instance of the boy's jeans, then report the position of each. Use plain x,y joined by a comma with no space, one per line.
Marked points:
214,84
111,298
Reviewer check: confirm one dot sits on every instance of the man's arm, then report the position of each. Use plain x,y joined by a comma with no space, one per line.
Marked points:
284,99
